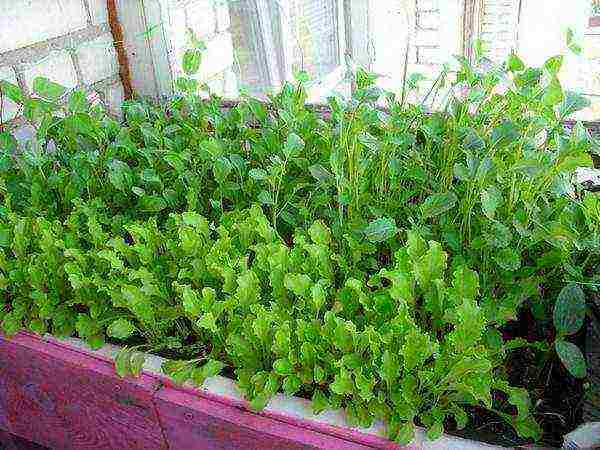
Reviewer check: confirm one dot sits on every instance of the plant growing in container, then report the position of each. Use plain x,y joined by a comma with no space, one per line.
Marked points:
329,258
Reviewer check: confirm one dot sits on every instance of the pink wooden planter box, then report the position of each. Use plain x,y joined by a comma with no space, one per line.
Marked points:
62,395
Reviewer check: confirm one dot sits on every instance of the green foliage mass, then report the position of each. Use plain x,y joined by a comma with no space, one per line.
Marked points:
326,257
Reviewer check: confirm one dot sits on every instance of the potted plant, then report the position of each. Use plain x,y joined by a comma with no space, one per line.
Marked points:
413,270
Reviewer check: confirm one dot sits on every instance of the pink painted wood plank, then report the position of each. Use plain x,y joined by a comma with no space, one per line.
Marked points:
190,418
4,425
65,399
345,434
195,423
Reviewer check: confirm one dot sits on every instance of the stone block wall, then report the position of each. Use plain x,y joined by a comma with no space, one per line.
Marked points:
67,41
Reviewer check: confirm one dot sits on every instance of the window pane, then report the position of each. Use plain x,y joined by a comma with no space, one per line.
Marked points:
313,25
428,29
255,45
499,21
210,21
543,33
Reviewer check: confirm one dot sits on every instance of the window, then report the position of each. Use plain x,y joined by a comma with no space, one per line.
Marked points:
275,39
498,27
255,45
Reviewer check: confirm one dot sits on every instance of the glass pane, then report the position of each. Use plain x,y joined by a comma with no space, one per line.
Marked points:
314,30
498,30
211,22
543,33
255,45
422,35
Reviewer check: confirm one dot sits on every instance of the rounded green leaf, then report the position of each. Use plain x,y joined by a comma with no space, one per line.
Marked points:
572,103
47,89
553,93
258,174
12,91
191,61
120,329
210,369
553,64
213,367
571,357
320,173
491,198
342,383
527,427
85,326
123,362
136,362
465,282
187,85
95,342
291,384
569,309
293,145
208,321
514,63
498,235
266,198
302,76
319,402
508,259
437,204
460,416
119,174
152,203
78,102
435,431
406,433
381,229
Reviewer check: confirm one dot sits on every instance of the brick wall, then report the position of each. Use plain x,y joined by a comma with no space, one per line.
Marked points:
431,27
67,41
417,21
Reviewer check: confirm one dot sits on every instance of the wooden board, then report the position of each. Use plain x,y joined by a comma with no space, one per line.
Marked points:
63,398
195,423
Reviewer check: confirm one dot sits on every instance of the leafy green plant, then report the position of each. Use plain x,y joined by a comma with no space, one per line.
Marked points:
326,257
569,313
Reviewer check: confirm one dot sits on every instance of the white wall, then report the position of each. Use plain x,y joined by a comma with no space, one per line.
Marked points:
68,41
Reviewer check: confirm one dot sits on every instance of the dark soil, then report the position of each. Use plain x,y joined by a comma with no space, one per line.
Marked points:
591,406
557,396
